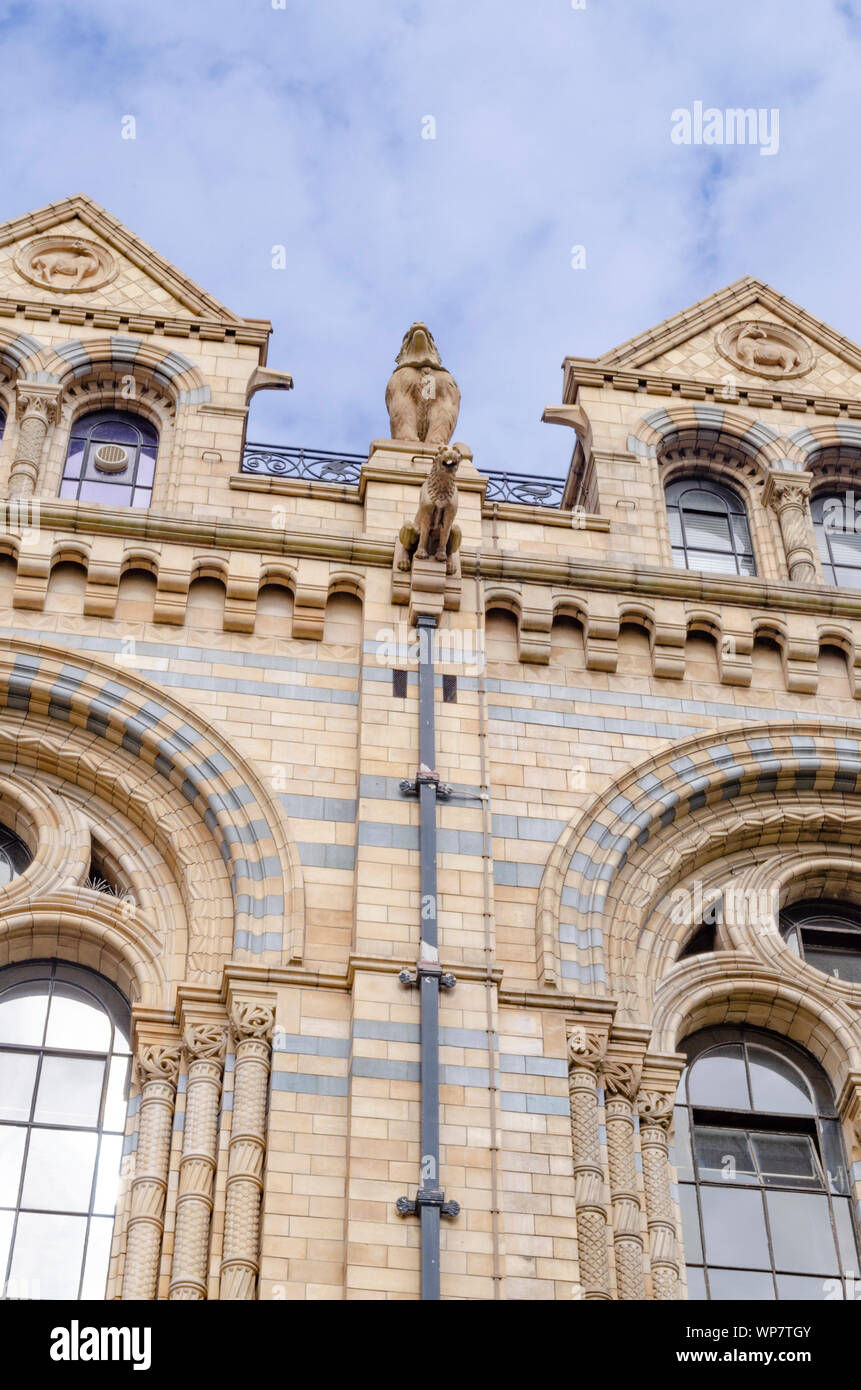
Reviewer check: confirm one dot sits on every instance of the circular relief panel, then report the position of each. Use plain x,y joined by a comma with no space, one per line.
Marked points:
111,458
71,265
765,349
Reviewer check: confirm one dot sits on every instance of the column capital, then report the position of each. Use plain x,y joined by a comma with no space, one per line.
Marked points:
786,488
205,1042
587,1045
621,1075
40,399
158,1062
252,1019
656,1108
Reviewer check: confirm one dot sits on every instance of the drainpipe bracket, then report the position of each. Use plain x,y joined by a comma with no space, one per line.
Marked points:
427,1197
426,779
428,970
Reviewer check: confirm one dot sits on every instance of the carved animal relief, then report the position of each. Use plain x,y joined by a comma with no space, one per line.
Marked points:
68,264
765,349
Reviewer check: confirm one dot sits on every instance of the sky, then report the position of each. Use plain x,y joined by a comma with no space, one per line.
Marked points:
439,160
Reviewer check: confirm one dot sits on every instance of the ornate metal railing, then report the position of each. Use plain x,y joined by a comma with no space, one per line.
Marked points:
318,465
527,489
326,466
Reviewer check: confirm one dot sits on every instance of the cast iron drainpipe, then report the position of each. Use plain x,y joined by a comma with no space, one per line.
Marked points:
430,1203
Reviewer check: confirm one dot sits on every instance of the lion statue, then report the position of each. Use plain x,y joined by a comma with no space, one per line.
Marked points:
433,533
422,398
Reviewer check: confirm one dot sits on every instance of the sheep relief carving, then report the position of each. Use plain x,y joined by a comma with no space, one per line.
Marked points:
765,349
67,264
422,398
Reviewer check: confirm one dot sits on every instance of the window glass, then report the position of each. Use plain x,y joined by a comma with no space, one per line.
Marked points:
838,542
827,934
64,1069
111,459
14,855
766,1210
708,527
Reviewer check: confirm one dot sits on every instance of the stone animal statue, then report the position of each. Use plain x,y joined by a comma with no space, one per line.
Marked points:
756,349
433,533
73,266
422,398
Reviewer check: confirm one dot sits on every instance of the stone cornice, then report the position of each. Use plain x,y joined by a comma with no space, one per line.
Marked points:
251,332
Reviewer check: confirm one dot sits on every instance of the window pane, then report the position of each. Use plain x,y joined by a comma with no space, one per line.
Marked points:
845,1237
846,547
59,1174
110,493
108,1180
777,1085
690,1222
745,1284
796,1286
682,1144
675,526
22,1014
12,1139
708,531
7,1221
714,564
801,1233
696,1284
840,965
835,1165
77,1022
17,1077
724,1155
787,1160
734,1226
70,1091
98,1257
848,579
718,1079
115,1102
746,564
700,499
741,533
48,1252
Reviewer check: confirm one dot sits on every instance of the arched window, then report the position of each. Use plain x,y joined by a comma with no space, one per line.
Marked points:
2,422
764,1188
708,527
827,935
64,1072
837,539
111,458
14,855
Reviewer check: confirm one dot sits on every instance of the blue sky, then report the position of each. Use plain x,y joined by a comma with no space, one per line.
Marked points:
302,126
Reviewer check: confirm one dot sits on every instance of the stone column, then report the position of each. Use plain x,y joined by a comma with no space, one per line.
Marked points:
585,1054
621,1082
656,1113
252,1023
205,1045
158,1067
788,494
37,409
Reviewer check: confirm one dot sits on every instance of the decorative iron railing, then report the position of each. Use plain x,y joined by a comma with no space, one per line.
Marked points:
326,466
318,465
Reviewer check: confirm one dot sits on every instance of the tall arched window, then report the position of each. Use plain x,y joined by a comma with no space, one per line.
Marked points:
764,1188
708,527
64,1072
111,458
838,541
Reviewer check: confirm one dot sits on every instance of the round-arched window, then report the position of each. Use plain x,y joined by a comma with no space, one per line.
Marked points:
838,541
64,1074
708,527
111,458
14,855
827,935
763,1181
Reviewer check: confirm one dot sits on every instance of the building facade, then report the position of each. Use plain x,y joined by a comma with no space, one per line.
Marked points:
278,789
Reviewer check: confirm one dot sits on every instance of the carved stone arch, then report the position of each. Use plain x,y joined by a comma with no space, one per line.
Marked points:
602,875
175,776
211,565
346,582
16,351
704,428
505,596
122,354
709,991
279,574
826,448
136,557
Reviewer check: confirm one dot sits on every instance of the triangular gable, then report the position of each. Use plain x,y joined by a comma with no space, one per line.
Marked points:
136,278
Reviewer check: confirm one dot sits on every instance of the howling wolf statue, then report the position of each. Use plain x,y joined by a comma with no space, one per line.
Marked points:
422,398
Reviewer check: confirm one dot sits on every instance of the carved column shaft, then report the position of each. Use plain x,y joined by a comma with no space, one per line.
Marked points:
252,1025
656,1110
789,496
585,1050
205,1044
35,413
159,1067
621,1081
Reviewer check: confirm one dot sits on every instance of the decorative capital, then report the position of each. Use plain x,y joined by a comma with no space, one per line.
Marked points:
205,1042
250,1020
656,1108
38,404
586,1048
622,1077
159,1062
784,490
